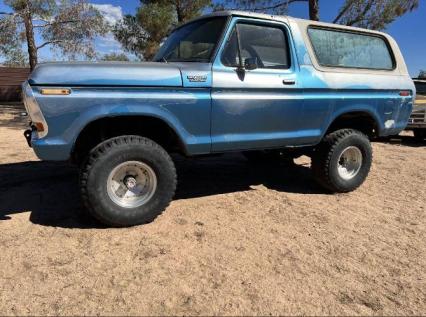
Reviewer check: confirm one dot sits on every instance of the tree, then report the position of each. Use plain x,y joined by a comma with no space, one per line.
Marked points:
422,74
68,26
371,14
314,10
10,43
142,34
120,57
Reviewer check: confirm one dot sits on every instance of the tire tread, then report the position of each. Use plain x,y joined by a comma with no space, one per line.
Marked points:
96,154
323,156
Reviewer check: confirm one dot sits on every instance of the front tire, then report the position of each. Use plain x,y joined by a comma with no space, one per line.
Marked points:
127,181
342,161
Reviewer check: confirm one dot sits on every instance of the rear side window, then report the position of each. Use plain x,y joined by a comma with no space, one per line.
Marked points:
337,48
268,44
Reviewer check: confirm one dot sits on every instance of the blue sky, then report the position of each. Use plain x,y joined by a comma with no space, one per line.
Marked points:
406,30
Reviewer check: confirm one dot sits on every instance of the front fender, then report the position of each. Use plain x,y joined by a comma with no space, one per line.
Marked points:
185,111
95,114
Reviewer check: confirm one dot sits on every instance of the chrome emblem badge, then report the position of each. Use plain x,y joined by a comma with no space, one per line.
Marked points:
197,78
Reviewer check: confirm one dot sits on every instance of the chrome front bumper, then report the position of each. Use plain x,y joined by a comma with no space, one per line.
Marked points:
34,111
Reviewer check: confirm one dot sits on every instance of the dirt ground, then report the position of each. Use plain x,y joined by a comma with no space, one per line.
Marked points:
235,241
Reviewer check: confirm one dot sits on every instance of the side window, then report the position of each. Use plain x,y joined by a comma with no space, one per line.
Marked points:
268,44
337,48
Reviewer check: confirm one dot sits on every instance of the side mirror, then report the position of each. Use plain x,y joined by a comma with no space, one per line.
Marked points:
250,63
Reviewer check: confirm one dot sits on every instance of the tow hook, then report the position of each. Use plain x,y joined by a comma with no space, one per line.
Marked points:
27,135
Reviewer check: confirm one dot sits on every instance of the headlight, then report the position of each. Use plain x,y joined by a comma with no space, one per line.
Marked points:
34,111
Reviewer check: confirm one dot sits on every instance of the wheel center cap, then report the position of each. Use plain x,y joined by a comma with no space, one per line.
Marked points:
130,182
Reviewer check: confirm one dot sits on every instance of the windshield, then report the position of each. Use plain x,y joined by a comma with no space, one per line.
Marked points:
194,42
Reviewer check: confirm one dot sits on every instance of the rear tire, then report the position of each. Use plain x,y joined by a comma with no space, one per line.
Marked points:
342,161
127,181
419,134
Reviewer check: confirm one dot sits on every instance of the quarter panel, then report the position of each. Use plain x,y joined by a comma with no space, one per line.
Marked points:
330,94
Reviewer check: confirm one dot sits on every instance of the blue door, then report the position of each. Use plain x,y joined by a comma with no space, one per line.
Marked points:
259,106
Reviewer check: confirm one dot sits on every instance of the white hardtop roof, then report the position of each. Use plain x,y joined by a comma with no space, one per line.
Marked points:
285,18
245,14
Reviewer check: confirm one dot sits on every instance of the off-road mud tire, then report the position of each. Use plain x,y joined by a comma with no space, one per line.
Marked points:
104,158
326,157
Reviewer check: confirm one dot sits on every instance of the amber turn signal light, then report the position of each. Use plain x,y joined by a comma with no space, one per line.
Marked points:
55,91
39,126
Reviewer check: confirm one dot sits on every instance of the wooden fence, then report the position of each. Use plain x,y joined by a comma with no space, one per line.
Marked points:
10,82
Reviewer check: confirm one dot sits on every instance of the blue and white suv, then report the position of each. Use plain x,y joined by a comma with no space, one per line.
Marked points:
272,87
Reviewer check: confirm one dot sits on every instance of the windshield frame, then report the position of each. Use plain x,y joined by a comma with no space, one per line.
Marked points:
227,19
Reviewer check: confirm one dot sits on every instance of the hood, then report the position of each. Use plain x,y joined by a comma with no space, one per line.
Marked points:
107,74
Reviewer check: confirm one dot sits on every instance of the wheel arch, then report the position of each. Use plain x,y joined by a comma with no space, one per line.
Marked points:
363,120
152,126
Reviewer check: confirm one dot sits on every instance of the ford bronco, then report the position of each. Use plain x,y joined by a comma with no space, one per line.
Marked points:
271,87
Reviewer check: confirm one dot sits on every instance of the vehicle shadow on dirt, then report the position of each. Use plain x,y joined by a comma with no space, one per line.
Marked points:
50,190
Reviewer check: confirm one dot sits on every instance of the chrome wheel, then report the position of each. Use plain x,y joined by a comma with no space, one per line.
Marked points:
349,163
131,184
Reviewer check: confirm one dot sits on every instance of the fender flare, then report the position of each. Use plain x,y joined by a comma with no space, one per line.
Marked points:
98,113
345,111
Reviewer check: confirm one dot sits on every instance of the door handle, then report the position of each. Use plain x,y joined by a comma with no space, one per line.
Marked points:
289,82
